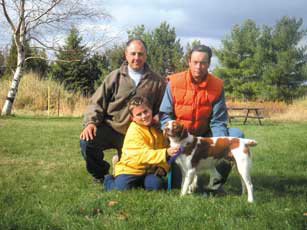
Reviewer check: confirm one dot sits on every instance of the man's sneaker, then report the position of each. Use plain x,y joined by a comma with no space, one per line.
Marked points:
98,180
219,192
115,159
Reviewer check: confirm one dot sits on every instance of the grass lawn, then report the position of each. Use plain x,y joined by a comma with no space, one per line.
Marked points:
44,184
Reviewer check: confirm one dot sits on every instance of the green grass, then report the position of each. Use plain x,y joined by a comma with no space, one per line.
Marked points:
44,184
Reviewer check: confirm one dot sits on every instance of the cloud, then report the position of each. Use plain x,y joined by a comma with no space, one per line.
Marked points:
207,21
211,21
216,19
151,15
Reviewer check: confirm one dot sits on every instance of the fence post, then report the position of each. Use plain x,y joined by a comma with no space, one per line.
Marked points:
48,100
59,103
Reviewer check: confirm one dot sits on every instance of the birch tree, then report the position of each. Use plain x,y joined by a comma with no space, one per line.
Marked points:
31,20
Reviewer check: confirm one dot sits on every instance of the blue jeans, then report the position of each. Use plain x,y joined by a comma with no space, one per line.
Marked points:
128,181
235,132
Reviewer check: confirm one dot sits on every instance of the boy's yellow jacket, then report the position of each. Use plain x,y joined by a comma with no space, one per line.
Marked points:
144,147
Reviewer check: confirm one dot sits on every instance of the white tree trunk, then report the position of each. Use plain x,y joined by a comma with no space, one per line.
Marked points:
19,39
8,105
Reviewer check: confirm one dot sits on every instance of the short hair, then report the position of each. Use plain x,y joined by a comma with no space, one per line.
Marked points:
137,101
201,48
136,39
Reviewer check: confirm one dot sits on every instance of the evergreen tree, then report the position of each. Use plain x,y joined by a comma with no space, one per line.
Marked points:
284,72
111,59
263,63
115,56
165,54
98,67
38,62
167,51
73,68
236,58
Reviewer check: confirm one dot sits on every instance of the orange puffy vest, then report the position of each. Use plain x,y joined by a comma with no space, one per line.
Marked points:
193,102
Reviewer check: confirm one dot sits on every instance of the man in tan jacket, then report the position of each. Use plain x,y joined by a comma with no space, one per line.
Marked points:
107,117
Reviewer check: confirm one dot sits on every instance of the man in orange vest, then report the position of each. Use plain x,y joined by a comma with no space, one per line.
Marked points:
196,98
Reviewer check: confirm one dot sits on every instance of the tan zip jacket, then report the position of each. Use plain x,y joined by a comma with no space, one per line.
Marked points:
109,102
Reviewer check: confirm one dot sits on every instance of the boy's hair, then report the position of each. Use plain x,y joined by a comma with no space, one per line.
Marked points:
137,101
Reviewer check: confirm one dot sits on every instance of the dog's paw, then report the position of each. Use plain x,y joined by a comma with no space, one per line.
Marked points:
182,194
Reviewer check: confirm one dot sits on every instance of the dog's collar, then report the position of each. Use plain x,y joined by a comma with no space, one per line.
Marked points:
172,159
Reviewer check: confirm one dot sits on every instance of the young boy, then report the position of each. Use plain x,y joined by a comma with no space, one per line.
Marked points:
144,149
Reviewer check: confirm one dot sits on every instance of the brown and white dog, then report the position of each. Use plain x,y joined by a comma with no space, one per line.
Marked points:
209,151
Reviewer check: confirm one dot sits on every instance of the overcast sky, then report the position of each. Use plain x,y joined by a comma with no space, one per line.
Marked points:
208,21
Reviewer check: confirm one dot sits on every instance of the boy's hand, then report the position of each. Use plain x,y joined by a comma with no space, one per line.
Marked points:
172,151
160,171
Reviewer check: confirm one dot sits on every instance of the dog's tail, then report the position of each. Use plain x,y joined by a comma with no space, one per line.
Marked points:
250,142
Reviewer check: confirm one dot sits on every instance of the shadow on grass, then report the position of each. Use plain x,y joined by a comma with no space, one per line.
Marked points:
281,186
275,185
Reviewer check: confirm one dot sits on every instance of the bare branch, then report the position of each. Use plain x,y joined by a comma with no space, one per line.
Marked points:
16,5
97,47
43,44
53,5
53,60
6,15
56,13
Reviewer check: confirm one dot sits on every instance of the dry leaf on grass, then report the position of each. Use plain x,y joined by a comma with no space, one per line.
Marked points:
112,203
122,216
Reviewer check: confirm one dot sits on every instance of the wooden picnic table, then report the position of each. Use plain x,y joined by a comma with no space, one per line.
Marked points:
247,113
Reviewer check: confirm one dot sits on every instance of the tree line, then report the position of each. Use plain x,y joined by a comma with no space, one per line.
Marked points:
256,63
266,63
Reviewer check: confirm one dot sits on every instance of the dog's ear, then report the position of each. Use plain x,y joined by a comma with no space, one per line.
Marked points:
177,127
180,129
184,132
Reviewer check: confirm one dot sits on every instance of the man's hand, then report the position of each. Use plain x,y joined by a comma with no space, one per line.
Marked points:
89,133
